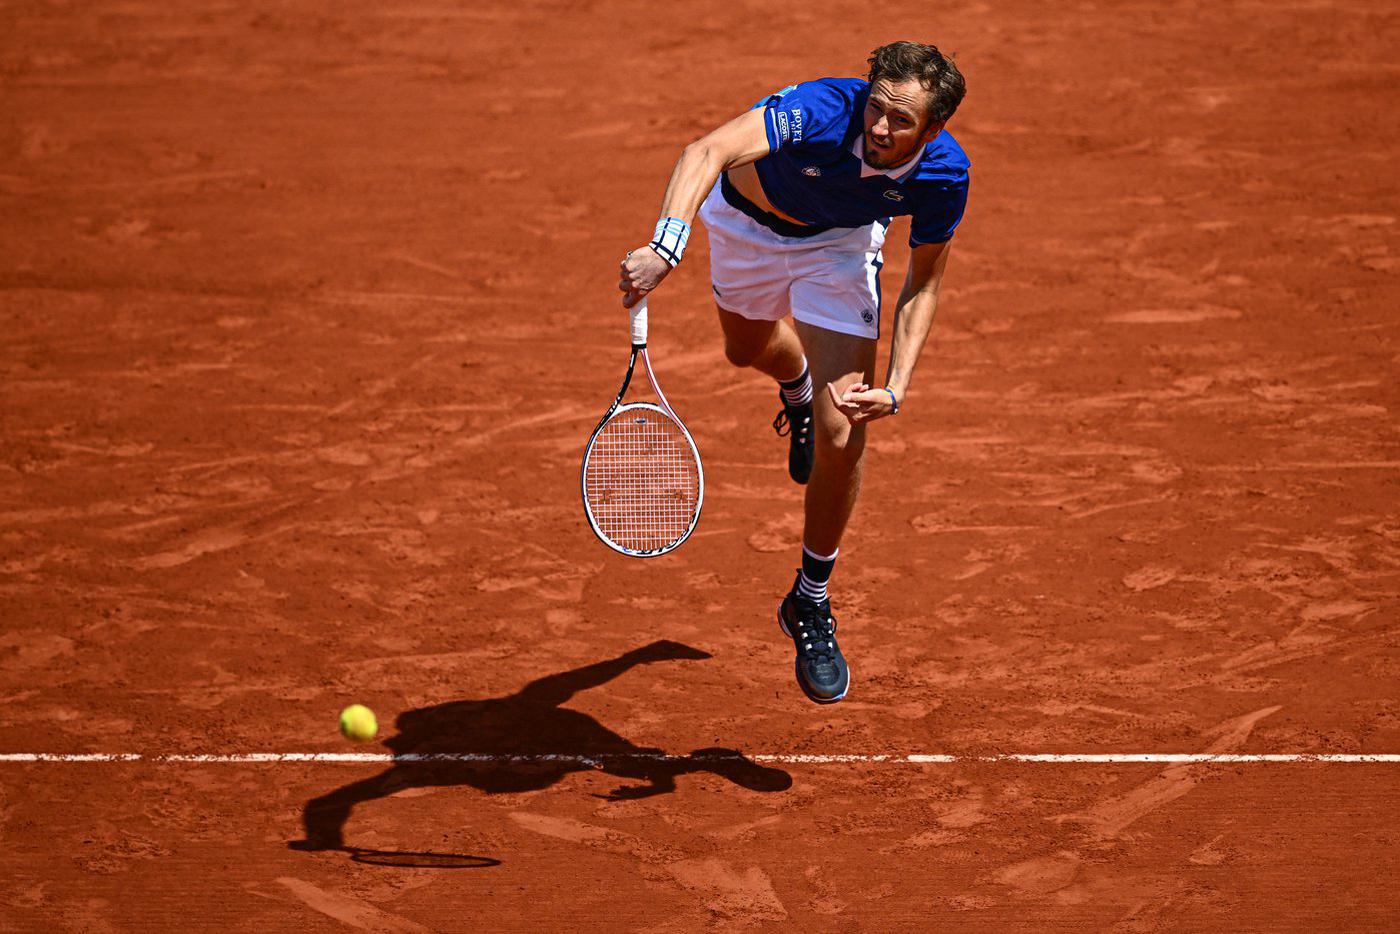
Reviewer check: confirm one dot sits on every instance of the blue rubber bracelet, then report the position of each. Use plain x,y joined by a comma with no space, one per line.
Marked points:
894,400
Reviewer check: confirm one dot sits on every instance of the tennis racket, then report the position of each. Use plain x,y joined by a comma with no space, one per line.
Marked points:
642,480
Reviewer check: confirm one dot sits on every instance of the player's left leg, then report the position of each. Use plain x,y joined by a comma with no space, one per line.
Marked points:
805,614
838,359
835,300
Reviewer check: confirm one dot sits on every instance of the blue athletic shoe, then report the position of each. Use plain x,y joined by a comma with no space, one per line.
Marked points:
821,668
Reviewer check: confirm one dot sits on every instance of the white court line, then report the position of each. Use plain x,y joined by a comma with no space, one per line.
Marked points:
1111,758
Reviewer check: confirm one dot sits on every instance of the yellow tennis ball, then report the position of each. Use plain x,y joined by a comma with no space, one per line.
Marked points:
357,722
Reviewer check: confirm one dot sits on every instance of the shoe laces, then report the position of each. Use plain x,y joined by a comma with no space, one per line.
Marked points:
783,424
816,629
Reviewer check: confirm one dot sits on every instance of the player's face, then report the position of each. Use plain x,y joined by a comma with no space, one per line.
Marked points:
896,122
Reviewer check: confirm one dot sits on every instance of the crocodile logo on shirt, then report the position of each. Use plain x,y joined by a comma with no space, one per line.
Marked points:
813,171
894,195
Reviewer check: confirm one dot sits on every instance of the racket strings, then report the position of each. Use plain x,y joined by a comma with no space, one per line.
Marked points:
642,480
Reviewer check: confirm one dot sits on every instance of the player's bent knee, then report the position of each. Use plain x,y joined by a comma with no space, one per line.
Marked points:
740,354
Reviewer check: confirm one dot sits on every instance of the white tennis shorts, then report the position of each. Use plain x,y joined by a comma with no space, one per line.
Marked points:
830,280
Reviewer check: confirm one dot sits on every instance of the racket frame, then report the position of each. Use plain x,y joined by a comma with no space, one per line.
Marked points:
639,349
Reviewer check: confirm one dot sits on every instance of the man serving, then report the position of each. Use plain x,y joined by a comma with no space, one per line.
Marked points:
808,181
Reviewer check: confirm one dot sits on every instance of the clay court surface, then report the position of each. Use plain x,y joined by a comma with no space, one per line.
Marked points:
308,309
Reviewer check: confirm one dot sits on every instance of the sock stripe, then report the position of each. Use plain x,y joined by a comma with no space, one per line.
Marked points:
814,574
816,592
798,391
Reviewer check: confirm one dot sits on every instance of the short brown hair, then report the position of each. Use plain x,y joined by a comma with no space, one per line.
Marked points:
900,61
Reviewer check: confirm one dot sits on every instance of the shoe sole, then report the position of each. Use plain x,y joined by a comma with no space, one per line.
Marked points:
797,670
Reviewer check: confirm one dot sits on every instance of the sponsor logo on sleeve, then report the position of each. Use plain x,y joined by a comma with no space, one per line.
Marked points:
783,129
797,124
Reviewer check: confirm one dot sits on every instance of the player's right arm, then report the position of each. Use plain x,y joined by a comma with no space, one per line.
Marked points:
739,142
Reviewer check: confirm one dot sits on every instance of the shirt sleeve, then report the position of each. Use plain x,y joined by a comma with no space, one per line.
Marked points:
938,214
807,114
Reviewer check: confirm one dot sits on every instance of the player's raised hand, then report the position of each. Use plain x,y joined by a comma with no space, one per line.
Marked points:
859,403
642,270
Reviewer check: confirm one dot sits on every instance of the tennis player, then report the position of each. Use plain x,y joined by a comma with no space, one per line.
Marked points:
797,195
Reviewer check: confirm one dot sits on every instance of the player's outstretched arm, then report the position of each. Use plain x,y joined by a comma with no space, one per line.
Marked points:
739,142
913,317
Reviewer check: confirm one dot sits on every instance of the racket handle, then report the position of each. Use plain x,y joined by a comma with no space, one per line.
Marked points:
639,323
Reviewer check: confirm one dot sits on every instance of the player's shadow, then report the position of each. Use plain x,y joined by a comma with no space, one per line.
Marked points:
523,742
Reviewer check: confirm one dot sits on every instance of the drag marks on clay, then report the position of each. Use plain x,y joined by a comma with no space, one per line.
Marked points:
1129,504
1252,623
744,832
728,892
79,723
963,812
222,538
110,850
606,839
351,912
1298,646
21,650
1299,466
1046,875
1174,315
538,572
1041,875
210,685
1111,816
783,534
403,256
1149,578
1213,853
932,524
558,415
725,890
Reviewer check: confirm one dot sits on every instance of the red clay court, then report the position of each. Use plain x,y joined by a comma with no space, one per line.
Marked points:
308,309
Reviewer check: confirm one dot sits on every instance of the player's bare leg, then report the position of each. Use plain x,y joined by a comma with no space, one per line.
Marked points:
841,359
805,613
772,347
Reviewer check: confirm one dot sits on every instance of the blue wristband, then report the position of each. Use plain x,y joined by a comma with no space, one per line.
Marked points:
670,239
894,400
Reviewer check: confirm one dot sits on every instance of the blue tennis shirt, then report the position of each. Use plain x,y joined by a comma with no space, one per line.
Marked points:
815,172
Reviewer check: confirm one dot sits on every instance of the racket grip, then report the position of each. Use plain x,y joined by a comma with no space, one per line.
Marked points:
639,323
